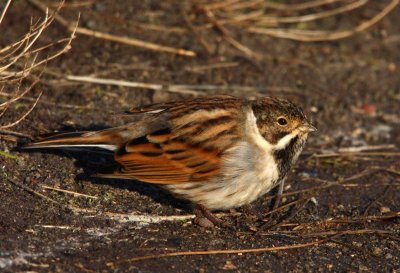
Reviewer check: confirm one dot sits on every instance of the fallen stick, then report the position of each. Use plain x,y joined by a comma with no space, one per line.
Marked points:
114,38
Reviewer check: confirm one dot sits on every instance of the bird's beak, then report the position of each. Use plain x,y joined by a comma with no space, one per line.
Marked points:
307,128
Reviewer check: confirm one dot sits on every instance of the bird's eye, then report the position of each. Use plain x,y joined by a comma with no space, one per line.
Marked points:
282,121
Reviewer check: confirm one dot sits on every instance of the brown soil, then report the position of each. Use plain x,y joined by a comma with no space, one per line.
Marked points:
330,80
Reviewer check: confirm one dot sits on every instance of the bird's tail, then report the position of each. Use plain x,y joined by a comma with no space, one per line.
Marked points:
110,139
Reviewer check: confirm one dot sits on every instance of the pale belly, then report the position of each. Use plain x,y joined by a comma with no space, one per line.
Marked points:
247,173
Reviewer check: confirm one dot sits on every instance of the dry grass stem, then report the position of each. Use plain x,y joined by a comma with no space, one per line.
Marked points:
50,200
45,102
324,35
359,154
332,183
219,251
221,65
195,89
114,38
38,194
287,21
274,20
200,38
301,6
20,60
78,4
151,86
228,36
366,148
9,125
3,13
69,192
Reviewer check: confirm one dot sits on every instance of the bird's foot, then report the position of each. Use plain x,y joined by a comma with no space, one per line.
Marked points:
205,218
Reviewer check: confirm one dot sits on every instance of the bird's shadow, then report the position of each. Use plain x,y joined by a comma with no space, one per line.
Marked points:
93,161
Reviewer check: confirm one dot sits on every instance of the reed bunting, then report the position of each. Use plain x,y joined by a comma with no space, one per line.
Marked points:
218,152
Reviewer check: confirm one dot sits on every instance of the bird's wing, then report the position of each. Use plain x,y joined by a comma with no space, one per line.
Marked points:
166,106
189,150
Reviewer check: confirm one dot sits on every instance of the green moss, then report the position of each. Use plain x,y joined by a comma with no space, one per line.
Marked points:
11,156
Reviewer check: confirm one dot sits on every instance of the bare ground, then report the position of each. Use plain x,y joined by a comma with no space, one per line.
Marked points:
346,206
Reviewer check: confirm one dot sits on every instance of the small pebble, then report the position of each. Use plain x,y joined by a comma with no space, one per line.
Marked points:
384,210
314,200
357,244
377,251
340,207
391,67
229,266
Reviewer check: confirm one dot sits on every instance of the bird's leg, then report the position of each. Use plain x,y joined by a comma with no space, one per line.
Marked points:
204,217
279,194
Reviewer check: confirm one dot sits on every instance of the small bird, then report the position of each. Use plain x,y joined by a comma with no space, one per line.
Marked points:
218,152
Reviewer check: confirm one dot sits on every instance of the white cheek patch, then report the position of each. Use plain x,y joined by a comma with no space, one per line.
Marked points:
256,138
283,142
253,133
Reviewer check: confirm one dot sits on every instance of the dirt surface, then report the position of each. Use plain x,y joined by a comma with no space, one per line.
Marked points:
339,84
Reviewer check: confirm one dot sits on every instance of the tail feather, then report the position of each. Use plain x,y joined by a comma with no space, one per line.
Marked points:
79,139
110,139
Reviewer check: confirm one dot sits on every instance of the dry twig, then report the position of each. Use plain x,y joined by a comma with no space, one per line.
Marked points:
114,38
283,20
194,89
38,194
324,35
19,61
219,251
69,192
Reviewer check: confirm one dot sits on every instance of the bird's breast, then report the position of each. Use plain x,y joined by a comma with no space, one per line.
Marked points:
249,172
246,174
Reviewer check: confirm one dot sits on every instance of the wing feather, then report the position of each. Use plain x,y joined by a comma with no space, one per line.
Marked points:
190,149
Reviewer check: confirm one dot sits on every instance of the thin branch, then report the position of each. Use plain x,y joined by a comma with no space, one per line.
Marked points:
19,96
42,101
346,232
285,206
4,10
195,89
380,197
328,183
228,37
23,116
31,191
218,252
318,35
69,192
326,155
156,87
301,6
310,17
114,38
358,149
196,33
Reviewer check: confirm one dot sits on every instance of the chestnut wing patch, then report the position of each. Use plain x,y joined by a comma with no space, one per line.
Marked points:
190,149
158,158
